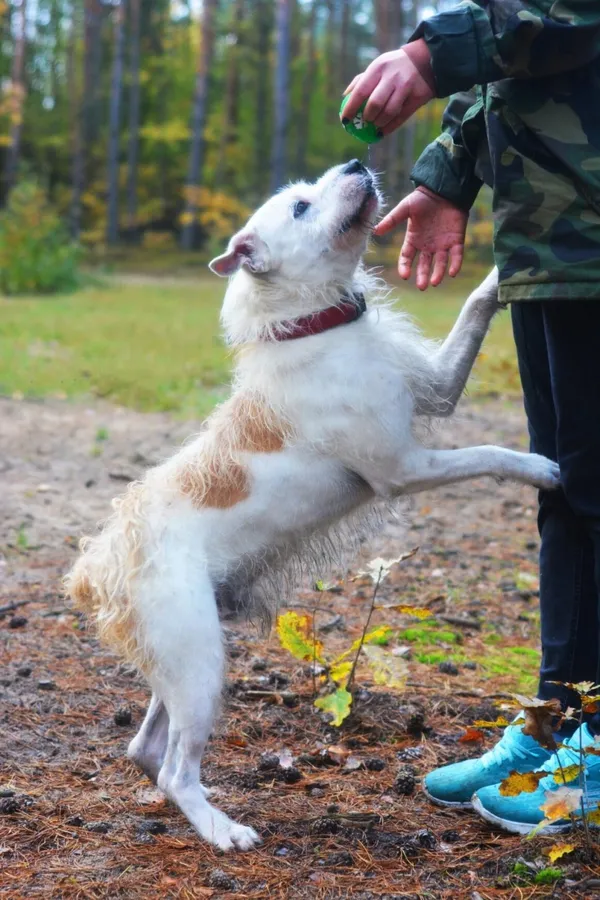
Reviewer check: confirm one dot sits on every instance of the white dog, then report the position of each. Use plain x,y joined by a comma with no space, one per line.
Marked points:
319,425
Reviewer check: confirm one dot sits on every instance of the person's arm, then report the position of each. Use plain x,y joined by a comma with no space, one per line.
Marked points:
446,167
478,42
482,41
446,187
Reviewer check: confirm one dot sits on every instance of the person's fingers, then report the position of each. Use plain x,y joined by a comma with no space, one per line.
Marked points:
397,215
440,263
406,259
391,110
456,259
352,84
377,101
363,89
423,269
392,125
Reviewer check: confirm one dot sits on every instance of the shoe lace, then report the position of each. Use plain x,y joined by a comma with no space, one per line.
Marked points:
502,752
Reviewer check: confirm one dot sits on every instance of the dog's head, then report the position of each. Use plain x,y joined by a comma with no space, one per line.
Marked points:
308,233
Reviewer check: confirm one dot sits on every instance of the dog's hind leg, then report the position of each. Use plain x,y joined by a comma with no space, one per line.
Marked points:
453,362
148,748
183,635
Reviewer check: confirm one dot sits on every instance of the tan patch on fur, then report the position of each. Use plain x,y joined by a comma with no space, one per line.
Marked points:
218,477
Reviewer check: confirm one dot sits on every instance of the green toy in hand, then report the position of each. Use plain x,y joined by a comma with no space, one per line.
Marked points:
358,128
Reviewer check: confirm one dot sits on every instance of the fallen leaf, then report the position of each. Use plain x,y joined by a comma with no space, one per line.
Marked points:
593,817
352,764
538,719
559,850
521,783
337,754
561,803
500,722
286,760
417,611
567,774
471,734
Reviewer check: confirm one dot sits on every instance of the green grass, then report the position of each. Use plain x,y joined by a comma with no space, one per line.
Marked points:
156,345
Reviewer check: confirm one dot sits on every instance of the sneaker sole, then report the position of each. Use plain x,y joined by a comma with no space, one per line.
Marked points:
514,827
449,804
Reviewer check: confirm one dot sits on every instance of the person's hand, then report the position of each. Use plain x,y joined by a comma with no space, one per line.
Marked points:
436,232
396,85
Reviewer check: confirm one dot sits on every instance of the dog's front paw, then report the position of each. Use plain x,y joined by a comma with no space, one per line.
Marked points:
217,828
546,473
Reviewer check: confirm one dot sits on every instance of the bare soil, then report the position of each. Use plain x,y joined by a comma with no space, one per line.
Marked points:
77,820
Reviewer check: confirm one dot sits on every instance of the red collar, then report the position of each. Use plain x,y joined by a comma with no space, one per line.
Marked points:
349,309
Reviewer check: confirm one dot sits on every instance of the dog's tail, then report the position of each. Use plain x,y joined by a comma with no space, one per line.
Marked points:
102,581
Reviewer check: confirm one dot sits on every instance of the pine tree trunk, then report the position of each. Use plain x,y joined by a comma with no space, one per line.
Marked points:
85,105
134,114
196,160
232,89
112,224
345,73
307,92
281,94
261,143
76,125
17,99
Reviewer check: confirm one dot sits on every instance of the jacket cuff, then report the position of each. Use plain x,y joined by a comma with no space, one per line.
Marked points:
462,48
448,171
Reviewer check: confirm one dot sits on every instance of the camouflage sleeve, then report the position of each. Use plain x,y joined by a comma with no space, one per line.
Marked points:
481,41
446,166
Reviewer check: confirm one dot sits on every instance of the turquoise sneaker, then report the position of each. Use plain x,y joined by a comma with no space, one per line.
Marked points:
455,785
522,813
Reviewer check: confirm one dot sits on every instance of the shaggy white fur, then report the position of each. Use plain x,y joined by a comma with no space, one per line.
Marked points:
316,431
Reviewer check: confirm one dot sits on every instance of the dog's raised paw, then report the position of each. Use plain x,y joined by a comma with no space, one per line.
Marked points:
546,474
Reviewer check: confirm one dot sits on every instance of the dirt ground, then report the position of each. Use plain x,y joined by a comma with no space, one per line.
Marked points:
77,820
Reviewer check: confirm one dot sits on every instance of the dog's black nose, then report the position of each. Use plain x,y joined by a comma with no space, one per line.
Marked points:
354,167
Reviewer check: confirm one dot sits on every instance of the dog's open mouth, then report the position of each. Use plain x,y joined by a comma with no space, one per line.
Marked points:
361,218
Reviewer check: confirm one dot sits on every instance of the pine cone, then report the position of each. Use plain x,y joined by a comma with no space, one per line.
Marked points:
405,780
324,825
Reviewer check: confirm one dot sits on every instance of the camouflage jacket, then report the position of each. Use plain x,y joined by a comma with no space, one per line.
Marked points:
525,119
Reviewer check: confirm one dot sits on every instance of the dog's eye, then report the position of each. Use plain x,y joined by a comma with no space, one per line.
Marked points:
300,208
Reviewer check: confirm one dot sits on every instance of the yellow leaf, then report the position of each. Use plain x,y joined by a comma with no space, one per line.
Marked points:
521,783
561,803
296,635
593,818
337,705
568,773
387,669
379,635
418,611
186,218
500,722
339,672
559,850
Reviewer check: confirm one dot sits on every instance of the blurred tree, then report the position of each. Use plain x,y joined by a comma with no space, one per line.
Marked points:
281,94
207,41
134,112
112,224
16,95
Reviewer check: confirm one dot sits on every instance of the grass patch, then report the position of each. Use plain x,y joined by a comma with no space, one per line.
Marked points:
156,346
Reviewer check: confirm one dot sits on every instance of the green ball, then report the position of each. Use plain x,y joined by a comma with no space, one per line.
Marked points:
358,128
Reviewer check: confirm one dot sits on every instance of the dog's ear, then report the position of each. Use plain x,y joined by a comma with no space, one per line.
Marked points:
245,249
